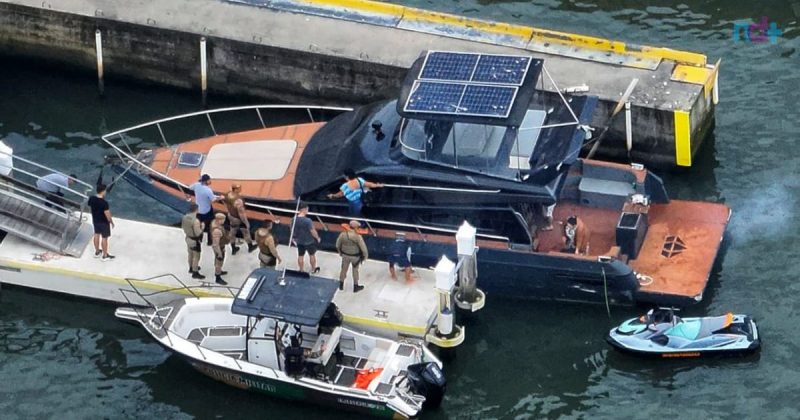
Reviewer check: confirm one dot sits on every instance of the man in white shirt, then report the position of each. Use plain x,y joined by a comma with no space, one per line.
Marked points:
52,185
204,197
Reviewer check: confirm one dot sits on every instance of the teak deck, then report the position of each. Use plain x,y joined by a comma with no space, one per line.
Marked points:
165,160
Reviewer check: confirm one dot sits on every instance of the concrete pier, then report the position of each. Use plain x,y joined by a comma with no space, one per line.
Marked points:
350,52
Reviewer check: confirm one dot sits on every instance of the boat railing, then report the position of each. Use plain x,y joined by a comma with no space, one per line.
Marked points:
122,136
372,224
22,182
161,290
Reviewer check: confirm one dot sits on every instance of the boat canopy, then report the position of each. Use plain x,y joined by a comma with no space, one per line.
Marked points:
302,299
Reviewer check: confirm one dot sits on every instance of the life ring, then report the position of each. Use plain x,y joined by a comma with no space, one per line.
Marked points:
644,279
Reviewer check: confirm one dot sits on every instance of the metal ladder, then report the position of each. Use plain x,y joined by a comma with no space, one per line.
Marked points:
24,214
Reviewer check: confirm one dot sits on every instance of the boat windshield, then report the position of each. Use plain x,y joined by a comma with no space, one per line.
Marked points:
494,150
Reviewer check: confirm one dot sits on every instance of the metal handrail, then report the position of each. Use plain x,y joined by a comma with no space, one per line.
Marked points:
40,166
221,110
375,221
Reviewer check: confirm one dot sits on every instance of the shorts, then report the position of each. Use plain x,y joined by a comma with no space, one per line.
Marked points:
102,229
400,260
310,248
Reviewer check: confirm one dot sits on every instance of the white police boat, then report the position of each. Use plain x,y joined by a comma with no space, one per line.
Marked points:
661,333
281,335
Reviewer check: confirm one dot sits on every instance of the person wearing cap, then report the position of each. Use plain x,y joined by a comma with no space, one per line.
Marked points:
576,236
306,238
52,184
353,250
267,251
237,216
353,190
193,230
219,239
205,198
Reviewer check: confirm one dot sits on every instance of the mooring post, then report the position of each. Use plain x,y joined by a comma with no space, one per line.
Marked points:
628,129
203,68
98,40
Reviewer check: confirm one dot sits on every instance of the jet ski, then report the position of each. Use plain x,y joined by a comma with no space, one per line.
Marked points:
661,333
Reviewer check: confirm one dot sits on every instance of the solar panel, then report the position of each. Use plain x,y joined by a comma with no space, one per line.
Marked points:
435,97
192,159
456,83
502,69
461,99
489,101
449,66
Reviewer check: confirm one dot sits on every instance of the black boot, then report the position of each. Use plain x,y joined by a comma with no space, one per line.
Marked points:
197,275
221,281
341,285
357,288
234,249
251,247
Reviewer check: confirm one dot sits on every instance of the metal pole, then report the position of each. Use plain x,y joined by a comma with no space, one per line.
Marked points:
98,41
203,68
628,129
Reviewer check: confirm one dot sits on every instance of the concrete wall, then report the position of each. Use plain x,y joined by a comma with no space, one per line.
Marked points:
172,58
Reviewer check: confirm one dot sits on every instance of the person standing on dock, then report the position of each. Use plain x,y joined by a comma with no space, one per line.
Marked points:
102,223
306,238
193,229
237,216
353,250
205,198
400,257
267,251
353,191
52,185
219,239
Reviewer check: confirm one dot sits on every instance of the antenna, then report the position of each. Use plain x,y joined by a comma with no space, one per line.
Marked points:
282,279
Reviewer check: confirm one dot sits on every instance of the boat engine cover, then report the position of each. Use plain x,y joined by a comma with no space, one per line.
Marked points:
428,380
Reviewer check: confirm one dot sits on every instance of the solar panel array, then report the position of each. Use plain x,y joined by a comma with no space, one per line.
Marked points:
468,84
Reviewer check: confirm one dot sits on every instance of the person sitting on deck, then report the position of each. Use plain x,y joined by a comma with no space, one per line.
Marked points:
295,357
576,236
353,191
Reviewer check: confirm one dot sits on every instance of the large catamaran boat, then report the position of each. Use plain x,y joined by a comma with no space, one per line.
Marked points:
469,138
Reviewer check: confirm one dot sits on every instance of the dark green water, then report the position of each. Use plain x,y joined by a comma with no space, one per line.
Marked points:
522,359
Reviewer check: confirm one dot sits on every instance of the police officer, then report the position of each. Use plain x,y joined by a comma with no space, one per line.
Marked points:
353,251
219,239
267,251
237,216
193,229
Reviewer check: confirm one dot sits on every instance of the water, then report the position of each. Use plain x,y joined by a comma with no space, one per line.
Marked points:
521,359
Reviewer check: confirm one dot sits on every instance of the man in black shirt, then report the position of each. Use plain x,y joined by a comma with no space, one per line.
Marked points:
102,221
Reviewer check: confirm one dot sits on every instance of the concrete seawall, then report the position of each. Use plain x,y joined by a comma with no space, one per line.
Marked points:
313,53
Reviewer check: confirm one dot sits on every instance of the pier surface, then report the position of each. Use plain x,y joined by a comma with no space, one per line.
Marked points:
335,52
145,250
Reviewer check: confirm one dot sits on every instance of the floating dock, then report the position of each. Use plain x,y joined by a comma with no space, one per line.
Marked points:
385,307
356,51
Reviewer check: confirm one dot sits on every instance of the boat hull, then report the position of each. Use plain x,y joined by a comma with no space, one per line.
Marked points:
290,391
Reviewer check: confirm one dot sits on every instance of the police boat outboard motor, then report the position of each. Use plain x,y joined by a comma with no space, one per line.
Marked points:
428,380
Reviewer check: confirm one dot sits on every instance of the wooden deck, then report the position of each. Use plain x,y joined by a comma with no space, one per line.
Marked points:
165,160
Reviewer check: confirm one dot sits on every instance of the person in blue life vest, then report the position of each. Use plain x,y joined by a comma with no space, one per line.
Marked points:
353,189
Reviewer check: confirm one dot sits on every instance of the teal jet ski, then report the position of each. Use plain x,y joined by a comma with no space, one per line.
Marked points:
661,333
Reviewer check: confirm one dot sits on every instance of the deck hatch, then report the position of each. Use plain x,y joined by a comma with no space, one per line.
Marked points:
673,245
190,159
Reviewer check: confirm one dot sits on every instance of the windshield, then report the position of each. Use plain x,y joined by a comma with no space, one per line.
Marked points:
496,150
